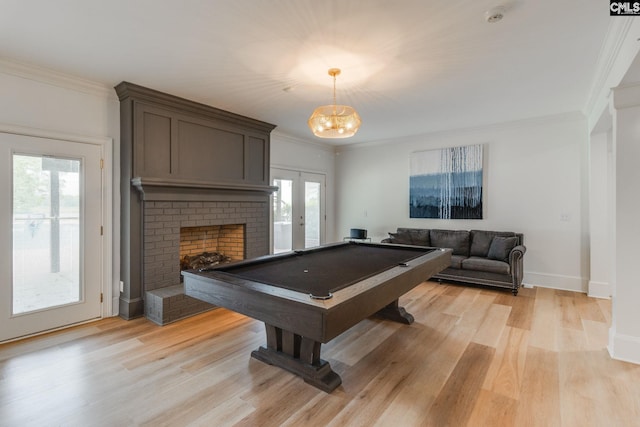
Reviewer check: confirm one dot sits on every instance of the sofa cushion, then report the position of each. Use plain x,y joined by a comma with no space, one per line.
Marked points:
410,236
399,238
501,248
484,264
458,240
481,241
456,261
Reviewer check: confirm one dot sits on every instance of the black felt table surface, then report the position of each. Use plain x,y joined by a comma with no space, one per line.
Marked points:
323,271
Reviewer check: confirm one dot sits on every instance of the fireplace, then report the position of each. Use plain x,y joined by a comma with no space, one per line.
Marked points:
184,165
173,229
227,240
205,247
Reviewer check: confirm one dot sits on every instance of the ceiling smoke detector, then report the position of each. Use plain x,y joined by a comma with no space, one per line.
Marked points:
495,14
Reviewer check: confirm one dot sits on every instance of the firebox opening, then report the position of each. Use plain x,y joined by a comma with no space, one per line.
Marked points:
207,246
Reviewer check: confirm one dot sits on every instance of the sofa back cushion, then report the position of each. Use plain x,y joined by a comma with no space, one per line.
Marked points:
501,248
481,241
411,236
458,240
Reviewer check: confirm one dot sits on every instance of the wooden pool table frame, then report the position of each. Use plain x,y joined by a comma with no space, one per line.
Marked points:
297,325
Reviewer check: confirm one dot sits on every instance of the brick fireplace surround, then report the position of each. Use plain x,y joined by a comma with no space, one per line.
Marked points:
164,300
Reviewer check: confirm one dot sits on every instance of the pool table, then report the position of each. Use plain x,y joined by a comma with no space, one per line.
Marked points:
308,297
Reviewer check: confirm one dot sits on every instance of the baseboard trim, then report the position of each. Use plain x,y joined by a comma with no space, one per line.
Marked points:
131,308
624,347
555,281
599,290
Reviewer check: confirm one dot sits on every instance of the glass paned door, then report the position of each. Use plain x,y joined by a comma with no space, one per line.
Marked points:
282,220
312,214
298,210
51,248
46,232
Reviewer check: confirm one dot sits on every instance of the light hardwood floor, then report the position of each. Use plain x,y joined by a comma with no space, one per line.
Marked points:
473,357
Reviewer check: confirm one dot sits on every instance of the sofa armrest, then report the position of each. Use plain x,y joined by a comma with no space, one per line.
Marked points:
516,254
516,265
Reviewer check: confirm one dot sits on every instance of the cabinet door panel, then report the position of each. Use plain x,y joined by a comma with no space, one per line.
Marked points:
256,160
209,154
152,156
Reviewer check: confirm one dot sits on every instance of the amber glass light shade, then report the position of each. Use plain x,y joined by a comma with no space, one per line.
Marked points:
334,121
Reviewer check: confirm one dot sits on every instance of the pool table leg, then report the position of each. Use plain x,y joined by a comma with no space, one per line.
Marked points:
298,355
396,313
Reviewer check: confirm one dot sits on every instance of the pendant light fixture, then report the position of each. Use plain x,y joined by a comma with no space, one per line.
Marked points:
334,121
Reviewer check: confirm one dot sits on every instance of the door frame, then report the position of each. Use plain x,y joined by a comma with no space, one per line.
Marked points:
107,218
323,199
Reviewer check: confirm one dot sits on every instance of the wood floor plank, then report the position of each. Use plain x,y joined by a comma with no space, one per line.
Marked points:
546,318
506,372
475,315
589,309
539,403
455,402
596,333
430,370
350,353
570,313
616,388
319,410
462,302
376,396
492,409
227,413
408,408
580,400
492,325
521,312
605,308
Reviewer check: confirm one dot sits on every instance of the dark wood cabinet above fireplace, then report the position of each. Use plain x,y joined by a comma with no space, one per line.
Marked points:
180,142
176,150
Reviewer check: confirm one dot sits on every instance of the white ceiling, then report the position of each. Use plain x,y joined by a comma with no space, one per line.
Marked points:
408,66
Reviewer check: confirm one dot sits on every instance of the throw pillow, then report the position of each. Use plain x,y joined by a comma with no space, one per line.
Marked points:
501,248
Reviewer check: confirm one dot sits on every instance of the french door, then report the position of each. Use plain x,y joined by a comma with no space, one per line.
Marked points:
298,210
50,234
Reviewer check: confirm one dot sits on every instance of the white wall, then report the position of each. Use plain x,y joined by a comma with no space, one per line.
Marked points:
534,184
45,100
290,153
599,214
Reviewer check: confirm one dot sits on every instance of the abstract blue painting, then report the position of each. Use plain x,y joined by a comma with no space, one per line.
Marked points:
446,183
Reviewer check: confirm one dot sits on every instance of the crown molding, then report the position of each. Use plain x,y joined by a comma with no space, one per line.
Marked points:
610,50
55,78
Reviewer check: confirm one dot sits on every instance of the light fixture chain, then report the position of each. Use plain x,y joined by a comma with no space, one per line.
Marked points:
335,103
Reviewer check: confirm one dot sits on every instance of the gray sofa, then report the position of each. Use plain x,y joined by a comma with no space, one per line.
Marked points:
492,258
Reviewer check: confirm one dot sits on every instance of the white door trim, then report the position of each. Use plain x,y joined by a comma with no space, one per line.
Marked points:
106,149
